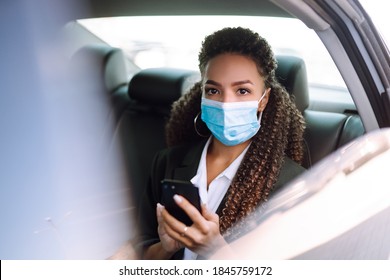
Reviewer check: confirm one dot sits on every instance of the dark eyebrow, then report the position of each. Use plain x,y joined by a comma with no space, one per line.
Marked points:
242,82
211,82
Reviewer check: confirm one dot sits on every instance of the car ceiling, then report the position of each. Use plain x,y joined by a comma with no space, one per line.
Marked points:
103,8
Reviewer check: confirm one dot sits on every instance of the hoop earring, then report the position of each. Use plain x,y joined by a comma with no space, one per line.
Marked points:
196,129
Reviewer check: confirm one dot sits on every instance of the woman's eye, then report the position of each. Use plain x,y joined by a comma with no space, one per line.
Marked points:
211,91
243,91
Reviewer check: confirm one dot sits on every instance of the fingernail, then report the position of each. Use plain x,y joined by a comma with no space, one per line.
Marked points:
177,198
159,206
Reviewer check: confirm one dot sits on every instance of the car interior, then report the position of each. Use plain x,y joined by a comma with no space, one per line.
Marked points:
78,182
141,107
140,100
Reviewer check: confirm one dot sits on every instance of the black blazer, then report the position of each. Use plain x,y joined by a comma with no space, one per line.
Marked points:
181,163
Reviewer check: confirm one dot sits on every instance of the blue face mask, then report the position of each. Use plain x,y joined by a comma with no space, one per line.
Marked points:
231,123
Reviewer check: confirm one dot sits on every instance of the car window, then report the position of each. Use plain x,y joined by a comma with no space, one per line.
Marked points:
379,16
174,41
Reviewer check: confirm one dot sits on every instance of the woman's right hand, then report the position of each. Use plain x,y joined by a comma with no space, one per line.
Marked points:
169,244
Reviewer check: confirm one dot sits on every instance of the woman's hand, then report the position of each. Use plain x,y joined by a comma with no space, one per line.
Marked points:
203,237
169,244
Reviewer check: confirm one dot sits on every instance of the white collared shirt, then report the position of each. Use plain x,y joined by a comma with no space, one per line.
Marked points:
217,189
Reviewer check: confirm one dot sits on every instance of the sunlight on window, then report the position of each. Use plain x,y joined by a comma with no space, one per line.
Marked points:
174,41
379,16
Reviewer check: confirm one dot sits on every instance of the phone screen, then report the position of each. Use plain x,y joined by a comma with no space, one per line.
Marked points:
183,188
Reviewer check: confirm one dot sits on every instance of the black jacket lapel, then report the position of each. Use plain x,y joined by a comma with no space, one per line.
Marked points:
188,167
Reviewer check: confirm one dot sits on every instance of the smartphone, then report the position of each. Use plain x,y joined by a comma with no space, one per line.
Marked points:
183,188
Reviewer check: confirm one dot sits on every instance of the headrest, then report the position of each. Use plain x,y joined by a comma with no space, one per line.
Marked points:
102,63
291,73
161,86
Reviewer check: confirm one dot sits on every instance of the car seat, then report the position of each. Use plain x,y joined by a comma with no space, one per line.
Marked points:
105,66
141,126
325,131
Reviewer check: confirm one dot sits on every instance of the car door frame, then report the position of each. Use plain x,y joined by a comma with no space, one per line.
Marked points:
357,49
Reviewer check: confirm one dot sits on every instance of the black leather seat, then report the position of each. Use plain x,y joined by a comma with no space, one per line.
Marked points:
99,71
106,67
141,126
325,131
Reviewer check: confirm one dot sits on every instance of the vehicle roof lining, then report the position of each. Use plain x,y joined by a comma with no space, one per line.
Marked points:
272,8
304,12
103,8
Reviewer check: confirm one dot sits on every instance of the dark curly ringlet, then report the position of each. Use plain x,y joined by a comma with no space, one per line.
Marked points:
280,135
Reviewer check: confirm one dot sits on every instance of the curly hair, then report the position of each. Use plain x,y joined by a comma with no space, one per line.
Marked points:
280,135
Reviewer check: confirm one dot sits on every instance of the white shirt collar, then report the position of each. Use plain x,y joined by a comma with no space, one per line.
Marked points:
217,188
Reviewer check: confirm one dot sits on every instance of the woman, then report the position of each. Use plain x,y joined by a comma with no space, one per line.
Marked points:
246,142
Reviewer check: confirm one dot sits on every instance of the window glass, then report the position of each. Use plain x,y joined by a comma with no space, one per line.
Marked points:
174,41
379,16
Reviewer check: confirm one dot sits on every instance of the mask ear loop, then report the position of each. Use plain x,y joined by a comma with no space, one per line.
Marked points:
196,129
261,98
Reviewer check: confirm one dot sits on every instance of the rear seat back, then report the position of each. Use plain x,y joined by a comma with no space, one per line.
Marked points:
325,131
141,126
100,73
106,66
